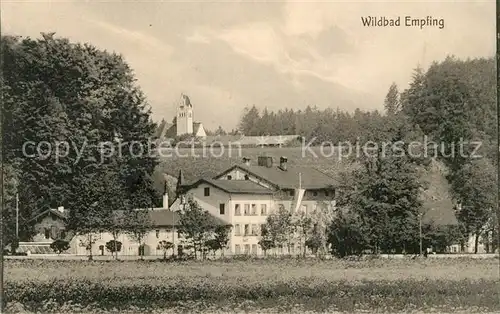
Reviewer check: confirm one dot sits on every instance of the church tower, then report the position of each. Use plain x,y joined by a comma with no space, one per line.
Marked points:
184,116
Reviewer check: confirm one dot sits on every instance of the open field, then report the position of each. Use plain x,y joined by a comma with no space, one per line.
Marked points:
263,286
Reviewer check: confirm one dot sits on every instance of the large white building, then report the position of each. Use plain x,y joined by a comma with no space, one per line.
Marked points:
245,194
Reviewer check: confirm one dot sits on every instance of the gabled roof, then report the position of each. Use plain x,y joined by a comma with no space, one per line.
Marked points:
169,131
236,186
62,215
161,217
310,177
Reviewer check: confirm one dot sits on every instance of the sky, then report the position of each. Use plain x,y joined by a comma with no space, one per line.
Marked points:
229,55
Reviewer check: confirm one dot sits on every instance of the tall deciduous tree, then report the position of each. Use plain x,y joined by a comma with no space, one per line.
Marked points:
476,188
72,112
195,224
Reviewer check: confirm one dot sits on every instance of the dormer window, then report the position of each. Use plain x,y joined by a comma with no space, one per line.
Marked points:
229,177
246,177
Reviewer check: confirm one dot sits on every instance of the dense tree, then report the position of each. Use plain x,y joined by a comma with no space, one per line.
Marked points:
391,103
385,193
71,112
59,246
312,124
347,235
196,225
476,188
249,123
114,247
165,246
278,228
454,104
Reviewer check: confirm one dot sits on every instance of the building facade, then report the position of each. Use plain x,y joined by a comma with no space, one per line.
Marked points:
244,195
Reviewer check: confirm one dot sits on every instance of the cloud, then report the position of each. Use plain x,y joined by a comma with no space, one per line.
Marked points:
279,55
134,36
198,37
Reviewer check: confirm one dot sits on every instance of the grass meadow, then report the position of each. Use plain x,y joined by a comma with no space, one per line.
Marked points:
253,286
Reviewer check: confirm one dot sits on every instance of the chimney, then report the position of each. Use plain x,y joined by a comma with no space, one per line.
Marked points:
165,196
60,209
265,161
246,161
165,201
283,161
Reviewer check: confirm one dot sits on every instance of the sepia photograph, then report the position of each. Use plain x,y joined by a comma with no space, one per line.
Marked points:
249,156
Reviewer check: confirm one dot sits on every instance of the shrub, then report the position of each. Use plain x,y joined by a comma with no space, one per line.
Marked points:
113,246
59,246
346,235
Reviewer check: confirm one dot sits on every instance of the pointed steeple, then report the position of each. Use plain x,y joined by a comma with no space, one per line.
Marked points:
180,182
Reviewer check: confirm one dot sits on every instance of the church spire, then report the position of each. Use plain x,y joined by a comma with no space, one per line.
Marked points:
180,182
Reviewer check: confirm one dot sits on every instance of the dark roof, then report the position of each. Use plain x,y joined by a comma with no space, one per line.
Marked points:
236,186
196,126
311,178
169,131
55,212
161,217
243,140
186,101
439,212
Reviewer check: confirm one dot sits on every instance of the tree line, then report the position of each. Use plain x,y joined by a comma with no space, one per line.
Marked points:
380,206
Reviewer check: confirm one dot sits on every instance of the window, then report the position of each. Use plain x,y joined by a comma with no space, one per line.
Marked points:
237,210
222,209
229,177
207,191
255,230
304,209
47,233
53,232
254,209
247,230
237,249
254,249
327,193
315,193
292,248
247,248
237,230
281,206
292,193
247,209
263,209
246,177
63,234
168,230
157,234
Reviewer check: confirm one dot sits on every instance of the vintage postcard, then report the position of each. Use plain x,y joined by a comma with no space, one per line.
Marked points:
249,156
